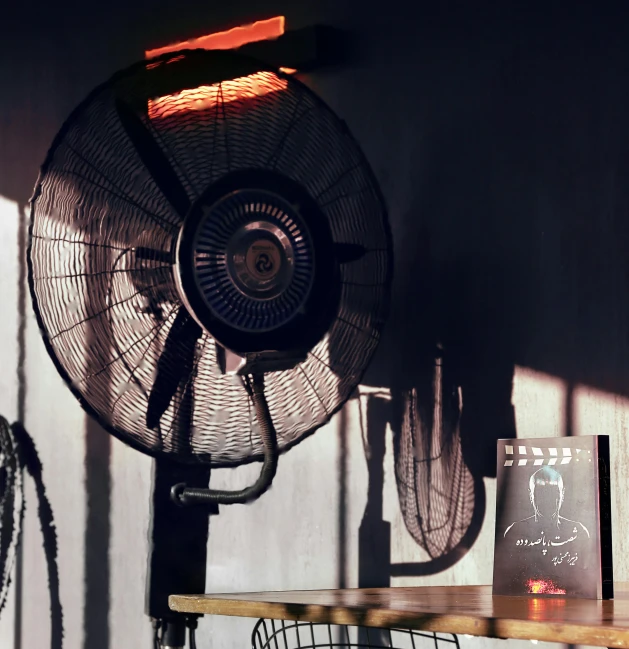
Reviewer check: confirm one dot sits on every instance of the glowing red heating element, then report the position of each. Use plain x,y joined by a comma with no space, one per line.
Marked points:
204,97
544,587
228,40
249,87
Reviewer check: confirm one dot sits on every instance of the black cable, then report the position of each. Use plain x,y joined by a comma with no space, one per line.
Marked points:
156,625
184,495
191,623
31,462
11,507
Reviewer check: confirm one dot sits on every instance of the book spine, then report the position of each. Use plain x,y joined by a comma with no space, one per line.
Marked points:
605,518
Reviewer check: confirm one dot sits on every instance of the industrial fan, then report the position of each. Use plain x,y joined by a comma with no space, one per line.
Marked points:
210,262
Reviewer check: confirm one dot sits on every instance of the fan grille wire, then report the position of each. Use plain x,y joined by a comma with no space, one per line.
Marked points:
280,634
96,204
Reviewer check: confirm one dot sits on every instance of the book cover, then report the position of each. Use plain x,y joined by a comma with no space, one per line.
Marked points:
553,518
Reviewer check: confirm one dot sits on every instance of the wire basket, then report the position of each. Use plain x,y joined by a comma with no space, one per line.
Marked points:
280,634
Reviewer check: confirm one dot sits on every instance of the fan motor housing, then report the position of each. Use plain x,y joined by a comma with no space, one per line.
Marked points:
256,265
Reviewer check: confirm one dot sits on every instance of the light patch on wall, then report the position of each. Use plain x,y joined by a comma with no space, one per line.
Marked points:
539,400
596,412
599,413
9,279
249,87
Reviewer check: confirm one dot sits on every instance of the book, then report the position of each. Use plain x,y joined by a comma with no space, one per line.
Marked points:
553,518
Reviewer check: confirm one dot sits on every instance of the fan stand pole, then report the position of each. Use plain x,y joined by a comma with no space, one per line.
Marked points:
178,547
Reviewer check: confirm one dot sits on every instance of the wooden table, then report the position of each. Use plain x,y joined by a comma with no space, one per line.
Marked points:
448,609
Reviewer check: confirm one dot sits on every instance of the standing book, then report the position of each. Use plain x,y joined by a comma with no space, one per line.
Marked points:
553,518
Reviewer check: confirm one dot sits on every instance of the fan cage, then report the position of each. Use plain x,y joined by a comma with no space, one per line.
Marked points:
280,634
105,314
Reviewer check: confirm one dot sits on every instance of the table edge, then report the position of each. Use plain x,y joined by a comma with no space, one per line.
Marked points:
541,630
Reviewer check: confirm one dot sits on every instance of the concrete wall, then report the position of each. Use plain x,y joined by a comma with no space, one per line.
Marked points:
500,142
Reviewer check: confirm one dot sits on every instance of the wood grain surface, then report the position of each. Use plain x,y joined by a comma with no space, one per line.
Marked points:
448,609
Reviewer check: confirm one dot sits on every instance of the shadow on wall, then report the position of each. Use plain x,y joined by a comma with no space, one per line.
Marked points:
441,499
501,144
502,168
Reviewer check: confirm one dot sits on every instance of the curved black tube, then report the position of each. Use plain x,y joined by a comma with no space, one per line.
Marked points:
184,495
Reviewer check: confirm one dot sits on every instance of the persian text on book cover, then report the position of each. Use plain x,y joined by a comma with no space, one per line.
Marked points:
548,536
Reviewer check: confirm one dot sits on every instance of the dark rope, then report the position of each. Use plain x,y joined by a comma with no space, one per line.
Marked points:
11,507
30,461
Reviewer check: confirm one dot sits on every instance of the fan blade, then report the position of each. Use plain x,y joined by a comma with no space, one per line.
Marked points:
153,159
174,365
151,254
348,252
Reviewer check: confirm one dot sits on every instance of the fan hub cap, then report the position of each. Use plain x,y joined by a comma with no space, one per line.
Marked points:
260,260
250,258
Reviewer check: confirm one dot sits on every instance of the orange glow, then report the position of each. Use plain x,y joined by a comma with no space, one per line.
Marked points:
262,30
545,609
544,586
204,97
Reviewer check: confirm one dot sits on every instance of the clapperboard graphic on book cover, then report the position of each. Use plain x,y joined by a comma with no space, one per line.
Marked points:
553,518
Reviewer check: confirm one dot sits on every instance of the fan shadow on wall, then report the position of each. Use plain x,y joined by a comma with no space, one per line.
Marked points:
447,400
441,500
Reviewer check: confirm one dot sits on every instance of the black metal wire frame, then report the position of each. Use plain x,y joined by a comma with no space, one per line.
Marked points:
282,634
200,61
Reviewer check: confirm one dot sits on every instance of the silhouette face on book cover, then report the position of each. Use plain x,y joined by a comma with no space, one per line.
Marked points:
546,492
545,535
